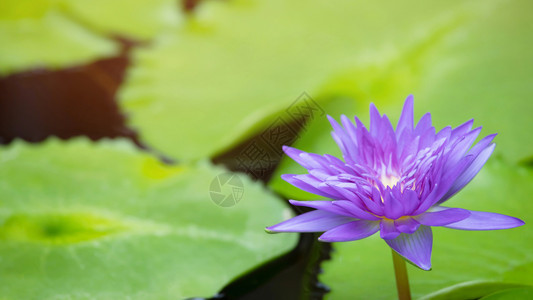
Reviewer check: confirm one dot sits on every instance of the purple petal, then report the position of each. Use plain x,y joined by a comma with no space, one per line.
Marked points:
470,172
440,190
351,231
335,161
482,144
297,181
373,203
295,155
415,247
406,225
462,146
350,129
354,210
462,129
409,147
444,133
313,221
343,192
387,229
392,208
442,217
340,144
423,124
343,140
410,201
427,138
314,161
406,119
307,160
375,120
322,205
480,220
320,174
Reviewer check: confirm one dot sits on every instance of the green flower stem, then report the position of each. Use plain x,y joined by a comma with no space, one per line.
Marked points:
402,281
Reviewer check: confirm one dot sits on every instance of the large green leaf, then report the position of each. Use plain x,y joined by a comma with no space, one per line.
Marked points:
364,267
523,293
485,72
62,33
35,36
470,290
83,220
136,19
237,63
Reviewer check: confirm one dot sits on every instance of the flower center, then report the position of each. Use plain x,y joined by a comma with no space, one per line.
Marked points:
389,180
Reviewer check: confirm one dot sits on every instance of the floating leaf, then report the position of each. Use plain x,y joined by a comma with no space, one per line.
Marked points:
61,33
238,63
470,290
138,19
84,220
46,39
364,267
485,72
511,294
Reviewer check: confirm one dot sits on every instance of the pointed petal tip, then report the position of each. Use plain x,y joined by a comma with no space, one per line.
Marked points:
345,119
491,137
425,266
294,202
331,119
517,223
290,150
406,120
470,122
269,230
409,102
287,177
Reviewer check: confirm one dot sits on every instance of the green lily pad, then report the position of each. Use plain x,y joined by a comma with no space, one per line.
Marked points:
42,37
237,64
62,33
365,267
103,220
523,293
470,290
137,19
485,73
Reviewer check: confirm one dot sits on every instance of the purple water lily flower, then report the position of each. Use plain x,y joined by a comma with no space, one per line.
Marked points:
394,182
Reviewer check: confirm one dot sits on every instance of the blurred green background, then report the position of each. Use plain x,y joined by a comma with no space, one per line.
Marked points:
115,118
